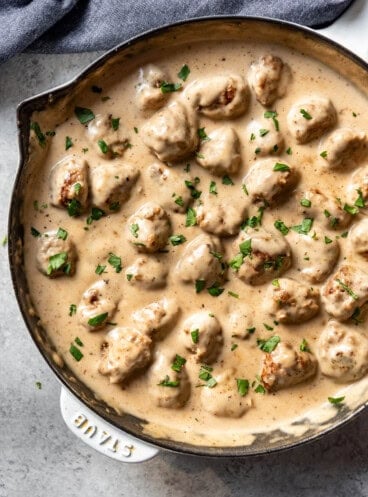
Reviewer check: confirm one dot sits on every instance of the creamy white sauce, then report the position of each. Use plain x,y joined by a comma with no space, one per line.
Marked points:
52,297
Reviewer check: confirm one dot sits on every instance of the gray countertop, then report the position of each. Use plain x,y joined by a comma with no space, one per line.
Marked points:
40,457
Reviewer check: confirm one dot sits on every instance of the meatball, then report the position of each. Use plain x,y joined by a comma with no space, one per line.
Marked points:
219,97
125,351
111,185
202,336
69,182
358,238
260,256
149,95
344,148
201,261
171,134
156,318
289,301
344,291
148,229
315,256
107,136
326,209
219,216
269,78
168,387
147,273
174,194
56,255
311,118
96,306
342,352
268,181
265,139
240,323
223,399
358,187
220,154
285,367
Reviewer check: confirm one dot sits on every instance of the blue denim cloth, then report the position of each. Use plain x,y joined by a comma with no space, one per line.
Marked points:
85,25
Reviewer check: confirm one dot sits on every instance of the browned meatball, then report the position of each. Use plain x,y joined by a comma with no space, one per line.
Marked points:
344,147
202,335
107,141
220,154
56,255
269,78
97,306
149,95
69,182
285,367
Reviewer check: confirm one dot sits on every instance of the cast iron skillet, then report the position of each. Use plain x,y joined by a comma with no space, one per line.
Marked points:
219,28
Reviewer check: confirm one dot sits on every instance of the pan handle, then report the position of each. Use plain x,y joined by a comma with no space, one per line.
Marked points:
100,435
350,29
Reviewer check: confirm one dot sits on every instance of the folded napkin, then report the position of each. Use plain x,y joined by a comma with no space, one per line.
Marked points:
86,25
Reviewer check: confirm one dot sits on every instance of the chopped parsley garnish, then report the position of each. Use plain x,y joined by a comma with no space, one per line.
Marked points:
360,200
78,341
72,309
136,130
34,233
195,335
4,241
62,234
281,226
268,327
191,219
84,115
134,228
129,277
114,206
276,283
215,290
98,320
75,352
203,135
96,215
205,375
305,227
263,132
257,150
305,114
38,385
40,136
351,209
236,262
103,146
344,235
355,316
193,190
327,213
251,330
179,201
347,289
304,347
275,148
187,168
115,123
245,190
170,87
226,180
268,345
115,262
305,202
289,151
234,346
77,188
184,72
84,150
232,294
273,115
327,240
246,247
105,98
166,382
68,142
100,269
260,389
336,400
213,188
254,221
178,363
177,239
199,285
323,154
252,137
281,167
74,208
243,386
57,262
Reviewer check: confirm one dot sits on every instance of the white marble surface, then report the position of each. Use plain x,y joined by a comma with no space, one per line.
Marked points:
40,457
